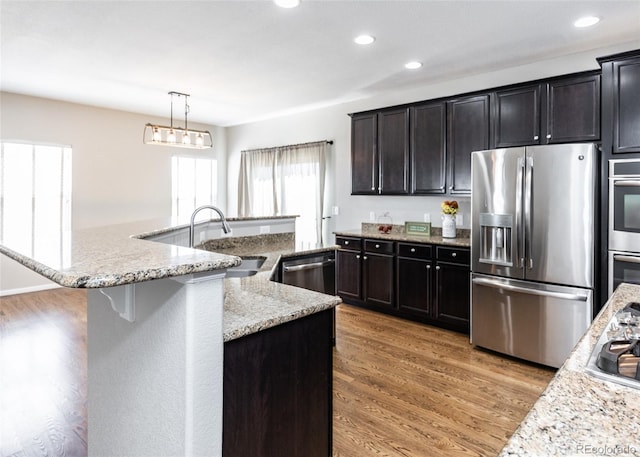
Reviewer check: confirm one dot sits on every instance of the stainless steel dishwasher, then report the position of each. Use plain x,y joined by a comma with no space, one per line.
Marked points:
317,272
314,272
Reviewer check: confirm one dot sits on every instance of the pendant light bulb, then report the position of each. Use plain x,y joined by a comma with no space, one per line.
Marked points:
157,136
171,137
186,139
199,140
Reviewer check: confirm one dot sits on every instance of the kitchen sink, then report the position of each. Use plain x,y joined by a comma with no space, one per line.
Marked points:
249,267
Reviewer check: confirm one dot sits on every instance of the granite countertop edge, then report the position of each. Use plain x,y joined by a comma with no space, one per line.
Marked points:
578,412
434,239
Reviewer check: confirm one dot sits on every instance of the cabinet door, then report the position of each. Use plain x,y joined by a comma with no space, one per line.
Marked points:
414,286
468,131
393,151
428,148
348,274
626,106
453,294
573,110
364,162
517,117
378,279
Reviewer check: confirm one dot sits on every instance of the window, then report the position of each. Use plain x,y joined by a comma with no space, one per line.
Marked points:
35,198
285,181
193,184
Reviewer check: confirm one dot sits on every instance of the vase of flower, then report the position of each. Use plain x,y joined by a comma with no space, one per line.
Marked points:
449,211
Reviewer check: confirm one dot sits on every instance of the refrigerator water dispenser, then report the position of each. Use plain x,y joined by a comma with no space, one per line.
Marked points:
495,239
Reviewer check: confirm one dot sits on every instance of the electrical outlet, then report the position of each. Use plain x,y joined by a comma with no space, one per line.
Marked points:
265,229
427,217
372,216
335,210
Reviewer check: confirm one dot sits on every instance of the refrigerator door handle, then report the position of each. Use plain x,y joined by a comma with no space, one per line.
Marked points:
528,192
626,258
513,288
519,254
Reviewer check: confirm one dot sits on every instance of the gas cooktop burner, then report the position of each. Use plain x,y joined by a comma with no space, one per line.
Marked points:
616,355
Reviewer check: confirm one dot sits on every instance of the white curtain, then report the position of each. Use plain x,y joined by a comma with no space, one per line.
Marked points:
286,180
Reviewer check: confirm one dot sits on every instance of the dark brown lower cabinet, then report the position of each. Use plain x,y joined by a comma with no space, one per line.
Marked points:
278,391
419,281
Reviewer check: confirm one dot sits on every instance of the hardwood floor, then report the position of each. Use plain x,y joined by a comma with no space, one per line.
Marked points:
400,388
43,374
406,389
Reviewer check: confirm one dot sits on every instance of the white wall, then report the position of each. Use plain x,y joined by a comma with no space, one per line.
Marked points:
116,178
334,124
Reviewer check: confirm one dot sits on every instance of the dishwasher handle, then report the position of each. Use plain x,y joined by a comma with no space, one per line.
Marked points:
513,288
307,266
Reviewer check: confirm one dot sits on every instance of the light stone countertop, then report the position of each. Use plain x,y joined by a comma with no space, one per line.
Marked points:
462,240
256,303
579,414
114,255
110,256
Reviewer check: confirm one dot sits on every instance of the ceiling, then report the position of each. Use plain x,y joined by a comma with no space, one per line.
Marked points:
243,61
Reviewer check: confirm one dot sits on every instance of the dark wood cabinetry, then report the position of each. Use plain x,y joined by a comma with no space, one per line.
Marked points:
467,131
428,148
277,390
621,103
573,110
453,286
415,280
364,162
418,281
380,153
558,111
377,273
517,116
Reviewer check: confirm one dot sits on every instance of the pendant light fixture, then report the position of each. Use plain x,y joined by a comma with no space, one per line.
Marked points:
181,137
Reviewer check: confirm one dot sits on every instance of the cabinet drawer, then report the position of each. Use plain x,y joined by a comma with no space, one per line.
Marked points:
349,242
457,255
420,251
383,247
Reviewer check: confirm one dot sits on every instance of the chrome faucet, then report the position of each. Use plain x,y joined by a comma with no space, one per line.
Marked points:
225,224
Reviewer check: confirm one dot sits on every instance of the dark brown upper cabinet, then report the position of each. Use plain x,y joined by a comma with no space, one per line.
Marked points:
517,116
559,111
573,110
467,131
428,148
380,153
621,102
364,157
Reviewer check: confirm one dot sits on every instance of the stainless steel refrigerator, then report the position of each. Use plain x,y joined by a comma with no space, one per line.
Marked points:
532,248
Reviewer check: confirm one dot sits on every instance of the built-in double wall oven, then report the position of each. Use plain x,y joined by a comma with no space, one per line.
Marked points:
624,222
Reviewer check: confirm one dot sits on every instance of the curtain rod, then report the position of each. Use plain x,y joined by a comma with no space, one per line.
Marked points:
290,145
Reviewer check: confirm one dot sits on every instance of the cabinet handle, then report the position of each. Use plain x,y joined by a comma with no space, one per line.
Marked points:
373,188
453,254
377,246
536,137
428,267
365,257
346,242
357,256
413,249
438,267
450,187
548,136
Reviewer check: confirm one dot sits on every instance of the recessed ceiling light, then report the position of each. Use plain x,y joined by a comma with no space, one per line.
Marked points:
364,39
586,21
413,65
287,3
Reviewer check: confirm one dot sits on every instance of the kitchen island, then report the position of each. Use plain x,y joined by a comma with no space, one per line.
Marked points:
156,326
579,414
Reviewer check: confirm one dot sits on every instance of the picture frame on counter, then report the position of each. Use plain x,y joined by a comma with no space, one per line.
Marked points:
417,228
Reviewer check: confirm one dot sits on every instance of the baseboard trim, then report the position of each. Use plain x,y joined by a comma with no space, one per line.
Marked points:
26,290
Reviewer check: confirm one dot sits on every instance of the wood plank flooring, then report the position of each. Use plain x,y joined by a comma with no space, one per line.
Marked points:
406,389
400,388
